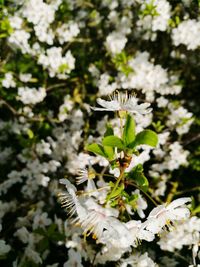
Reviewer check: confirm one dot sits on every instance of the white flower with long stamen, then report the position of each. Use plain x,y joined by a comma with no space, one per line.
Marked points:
98,219
117,235
164,214
82,176
85,175
68,200
123,102
71,201
138,232
92,218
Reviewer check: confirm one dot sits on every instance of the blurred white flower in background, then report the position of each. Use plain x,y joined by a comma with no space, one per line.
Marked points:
115,42
31,95
8,80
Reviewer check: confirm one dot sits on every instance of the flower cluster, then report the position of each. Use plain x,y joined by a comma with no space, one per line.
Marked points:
99,114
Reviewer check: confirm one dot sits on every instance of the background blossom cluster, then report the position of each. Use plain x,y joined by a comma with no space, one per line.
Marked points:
57,58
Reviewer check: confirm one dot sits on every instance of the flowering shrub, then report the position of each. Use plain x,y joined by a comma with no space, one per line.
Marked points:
99,133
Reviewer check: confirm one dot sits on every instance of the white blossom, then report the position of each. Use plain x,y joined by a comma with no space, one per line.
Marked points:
185,233
33,255
74,259
65,108
16,22
25,77
43,148
187,33
41,220
164,214
123,102
180,119
31,95
115,42
158,19
4,248
138,260
106,88
19,39
56,64
8,80
148,77
67,31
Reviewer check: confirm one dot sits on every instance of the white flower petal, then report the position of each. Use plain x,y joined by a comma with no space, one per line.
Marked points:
178,202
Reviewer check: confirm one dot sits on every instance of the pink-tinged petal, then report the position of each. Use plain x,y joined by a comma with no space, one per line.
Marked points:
178,202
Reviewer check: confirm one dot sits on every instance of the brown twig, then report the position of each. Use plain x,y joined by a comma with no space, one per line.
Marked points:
55,86
18,114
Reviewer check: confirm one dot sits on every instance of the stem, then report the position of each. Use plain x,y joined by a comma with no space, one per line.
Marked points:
121,126
197,188
172,192
181,257
18,114
55,86
122,170
102,175
155,197
93,191
4,102
195,138
121,130
145,193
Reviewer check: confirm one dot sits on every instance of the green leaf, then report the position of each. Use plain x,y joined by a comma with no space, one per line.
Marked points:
129,130
196,210
43,245
146,137
30,133
114,164
62,68
96,149
138,176
114,203
113,141
109,131
51,229
117,192
133,200
108,149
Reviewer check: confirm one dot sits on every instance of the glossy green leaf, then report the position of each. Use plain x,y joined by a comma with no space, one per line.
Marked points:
196,210
109,151
109,131
113,141
30,133
138,176
129,130
146,137
117,192
96,149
